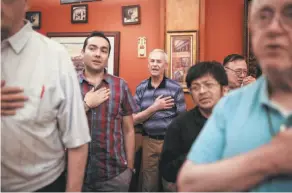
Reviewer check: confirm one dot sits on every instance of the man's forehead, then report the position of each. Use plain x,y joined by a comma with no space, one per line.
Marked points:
238,64
258,4
156,55
205,78
98,41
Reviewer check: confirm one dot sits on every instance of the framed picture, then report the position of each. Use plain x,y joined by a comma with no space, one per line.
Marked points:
247,48
73,42
131,15
79,13
75,1
182,50
35,18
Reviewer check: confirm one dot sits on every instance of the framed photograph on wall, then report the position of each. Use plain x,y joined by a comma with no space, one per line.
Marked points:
35,18
73,42
182,50
131,15
247,48
75,1
79,13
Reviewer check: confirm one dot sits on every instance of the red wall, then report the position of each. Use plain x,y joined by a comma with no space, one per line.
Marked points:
223,29
106,15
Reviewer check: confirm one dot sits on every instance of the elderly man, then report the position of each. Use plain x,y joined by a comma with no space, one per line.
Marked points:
237,71
40,110
246,143
159,100
207,82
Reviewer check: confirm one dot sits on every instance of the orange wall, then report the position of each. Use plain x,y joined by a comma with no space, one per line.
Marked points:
223,28
106,16
223,31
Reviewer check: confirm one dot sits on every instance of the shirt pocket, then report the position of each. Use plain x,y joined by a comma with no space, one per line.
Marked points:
29,112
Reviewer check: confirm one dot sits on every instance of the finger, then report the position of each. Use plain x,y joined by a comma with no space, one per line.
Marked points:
169,100
159,97
2,83
7,112
13,97
7,90
169,105
12,105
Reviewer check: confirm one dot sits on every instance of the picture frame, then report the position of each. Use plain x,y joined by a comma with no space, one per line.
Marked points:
35,18
79,13
75,1
73,42
131,15
247,47
182,50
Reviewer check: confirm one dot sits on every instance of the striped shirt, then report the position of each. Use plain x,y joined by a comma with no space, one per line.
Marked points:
107,155
145,96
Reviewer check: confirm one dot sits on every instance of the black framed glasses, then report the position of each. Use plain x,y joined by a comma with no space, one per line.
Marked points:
238,72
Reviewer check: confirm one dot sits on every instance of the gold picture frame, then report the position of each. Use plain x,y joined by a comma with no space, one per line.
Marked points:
182,50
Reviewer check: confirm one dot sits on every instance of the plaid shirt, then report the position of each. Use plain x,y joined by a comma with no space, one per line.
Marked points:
107,155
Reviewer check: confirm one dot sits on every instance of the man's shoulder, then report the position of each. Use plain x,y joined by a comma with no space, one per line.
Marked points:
49,44
183,117
172,83
246,95
142,84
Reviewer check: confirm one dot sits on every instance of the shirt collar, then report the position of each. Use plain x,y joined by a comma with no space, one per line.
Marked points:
161,85
106,77
18,40
264,97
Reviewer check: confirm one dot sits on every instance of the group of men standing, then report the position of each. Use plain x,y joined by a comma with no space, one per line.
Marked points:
60,136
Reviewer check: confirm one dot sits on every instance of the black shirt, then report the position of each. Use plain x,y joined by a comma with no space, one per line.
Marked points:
179,138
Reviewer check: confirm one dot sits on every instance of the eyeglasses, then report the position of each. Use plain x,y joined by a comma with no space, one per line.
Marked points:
238,72
265,17
207,86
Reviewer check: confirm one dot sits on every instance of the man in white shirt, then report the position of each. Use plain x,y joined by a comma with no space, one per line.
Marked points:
41,110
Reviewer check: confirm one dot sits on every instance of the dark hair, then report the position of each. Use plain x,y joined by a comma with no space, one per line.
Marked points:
258,71
231,58
213,68
97,34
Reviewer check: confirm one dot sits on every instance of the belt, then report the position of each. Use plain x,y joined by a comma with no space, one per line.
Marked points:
157,137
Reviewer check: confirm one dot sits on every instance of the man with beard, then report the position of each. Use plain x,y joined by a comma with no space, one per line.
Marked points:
207,82
159,100
246,143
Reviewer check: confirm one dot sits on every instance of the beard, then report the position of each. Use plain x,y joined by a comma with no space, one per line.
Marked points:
280,79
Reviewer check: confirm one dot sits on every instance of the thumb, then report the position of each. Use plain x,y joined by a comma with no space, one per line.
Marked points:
160,97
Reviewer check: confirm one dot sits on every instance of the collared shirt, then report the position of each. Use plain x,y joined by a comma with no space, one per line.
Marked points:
107,157
179,138
33,140
239,124
145,96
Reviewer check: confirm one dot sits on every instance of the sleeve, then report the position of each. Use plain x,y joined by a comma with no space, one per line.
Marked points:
137,99
128,104
180,101
171,157
72,121
209,145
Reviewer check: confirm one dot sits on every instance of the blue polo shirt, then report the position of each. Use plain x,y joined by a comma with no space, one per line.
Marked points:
146,95
239,124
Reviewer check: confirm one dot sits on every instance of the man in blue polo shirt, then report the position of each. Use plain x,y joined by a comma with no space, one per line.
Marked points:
246,144
159,100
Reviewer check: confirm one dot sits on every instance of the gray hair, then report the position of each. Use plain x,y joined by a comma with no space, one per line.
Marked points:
159,51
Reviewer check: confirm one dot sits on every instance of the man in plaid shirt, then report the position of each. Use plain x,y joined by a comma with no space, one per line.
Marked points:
109,106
